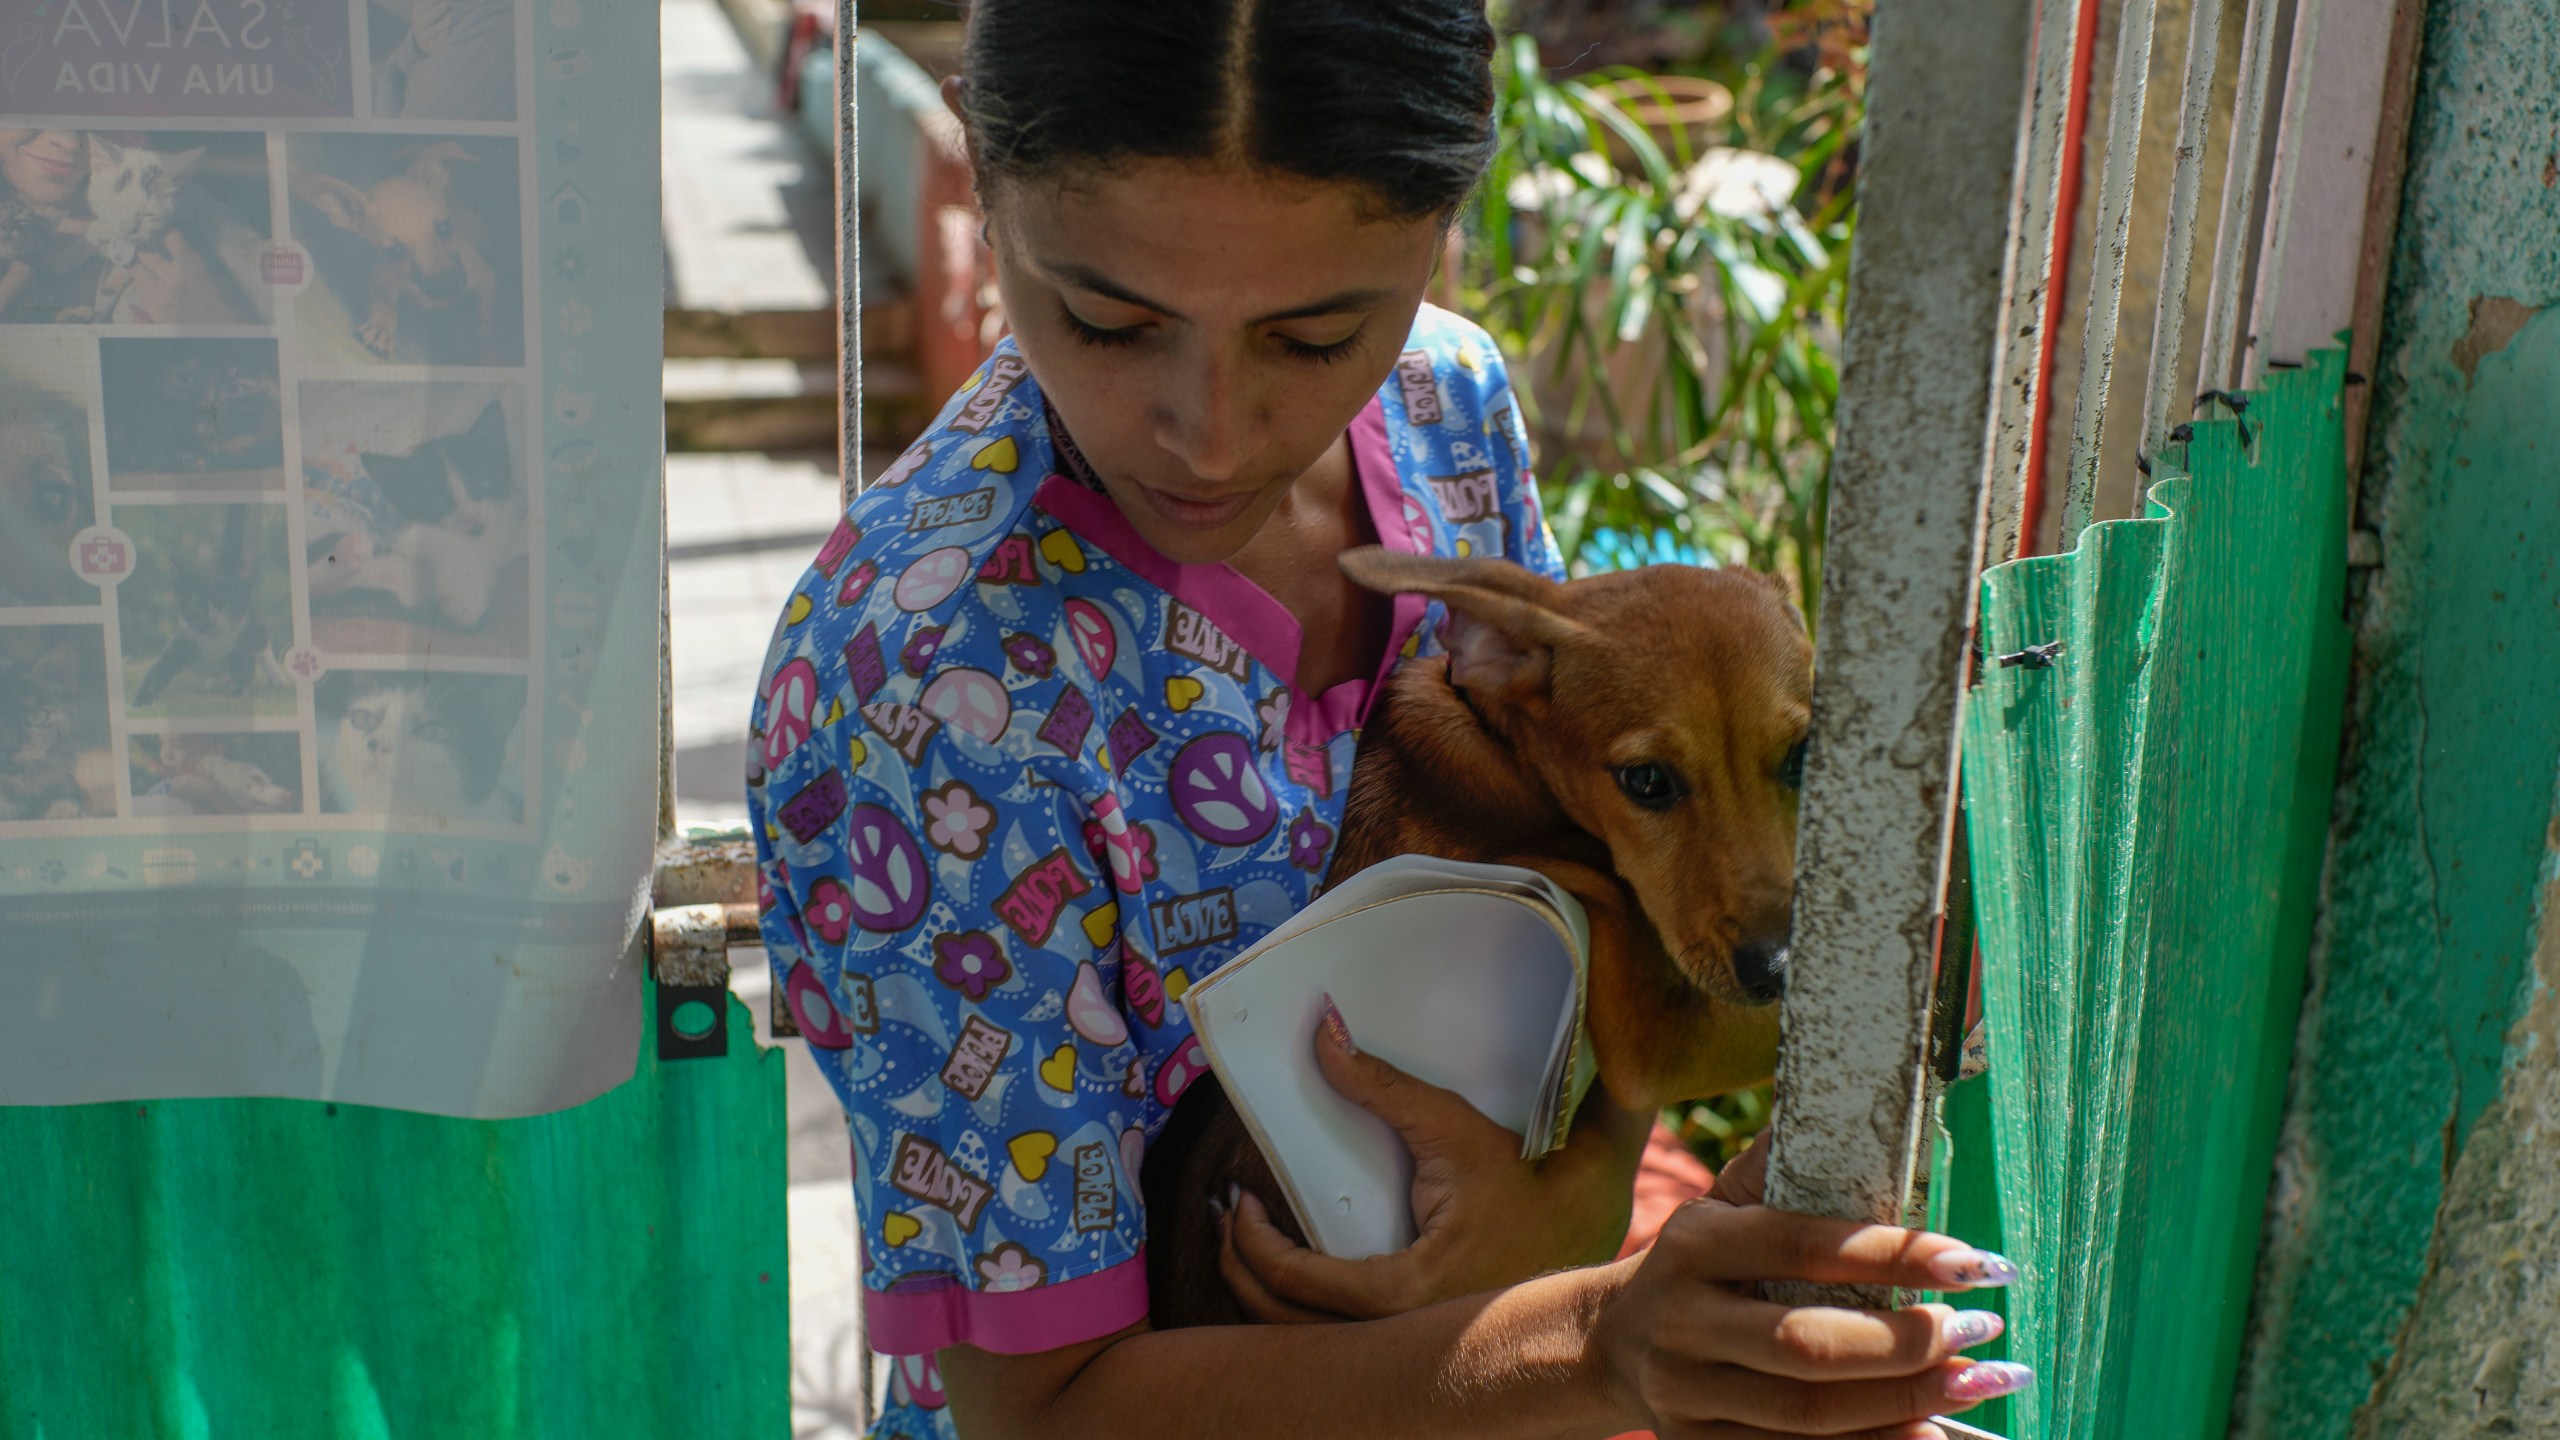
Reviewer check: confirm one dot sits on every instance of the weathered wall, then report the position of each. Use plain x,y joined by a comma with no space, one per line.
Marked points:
2417,1187
2481,1355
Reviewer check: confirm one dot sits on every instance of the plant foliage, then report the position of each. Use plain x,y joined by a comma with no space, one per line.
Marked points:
1678,350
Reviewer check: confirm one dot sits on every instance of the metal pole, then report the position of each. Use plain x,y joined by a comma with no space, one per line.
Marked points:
2027,303
2186,182
1918,360
848,252
2106,275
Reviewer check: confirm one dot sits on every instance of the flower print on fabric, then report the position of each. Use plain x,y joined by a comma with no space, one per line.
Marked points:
1010,1267
957,821
1310,842
1016,783
970,963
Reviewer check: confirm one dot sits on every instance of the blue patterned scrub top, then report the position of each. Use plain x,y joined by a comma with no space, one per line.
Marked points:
1018,781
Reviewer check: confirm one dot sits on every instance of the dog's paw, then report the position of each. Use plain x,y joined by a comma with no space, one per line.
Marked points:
376,337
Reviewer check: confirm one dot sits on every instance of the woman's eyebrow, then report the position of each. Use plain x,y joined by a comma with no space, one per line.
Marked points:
1085,277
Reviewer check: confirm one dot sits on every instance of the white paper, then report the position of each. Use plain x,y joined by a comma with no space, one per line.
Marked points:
1466,976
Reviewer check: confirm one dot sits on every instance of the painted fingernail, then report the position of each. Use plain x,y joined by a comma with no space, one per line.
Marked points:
1334,1028
1974,1269
1968,1328
1989,1379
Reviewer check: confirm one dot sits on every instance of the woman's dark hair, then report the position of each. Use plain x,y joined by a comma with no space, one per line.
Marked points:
1394,96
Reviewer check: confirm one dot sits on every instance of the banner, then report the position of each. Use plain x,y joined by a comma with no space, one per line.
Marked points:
329,452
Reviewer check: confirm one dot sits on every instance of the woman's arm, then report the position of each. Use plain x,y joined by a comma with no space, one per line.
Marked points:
1666,1340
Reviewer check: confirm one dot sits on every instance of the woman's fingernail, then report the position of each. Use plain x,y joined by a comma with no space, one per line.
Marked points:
1989,1379
1973,1269
1968,1328
1334,1028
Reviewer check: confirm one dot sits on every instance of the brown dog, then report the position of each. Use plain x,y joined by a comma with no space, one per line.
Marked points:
1638,737
424,253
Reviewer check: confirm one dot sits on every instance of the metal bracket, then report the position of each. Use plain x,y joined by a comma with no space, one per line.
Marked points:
704,891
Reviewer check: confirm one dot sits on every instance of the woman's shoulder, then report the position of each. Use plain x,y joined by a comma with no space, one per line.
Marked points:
1460,447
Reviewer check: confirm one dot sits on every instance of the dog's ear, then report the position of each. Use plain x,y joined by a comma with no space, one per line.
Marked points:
433,165
103,149
1503,621
343,204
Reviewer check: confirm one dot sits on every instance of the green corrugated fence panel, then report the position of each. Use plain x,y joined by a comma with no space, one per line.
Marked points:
285,1269
2146,817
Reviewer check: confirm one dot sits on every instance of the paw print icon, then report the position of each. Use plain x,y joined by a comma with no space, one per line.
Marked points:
307,860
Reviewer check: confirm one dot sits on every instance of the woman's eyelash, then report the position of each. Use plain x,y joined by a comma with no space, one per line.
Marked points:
1095,335
1324,354
1092,334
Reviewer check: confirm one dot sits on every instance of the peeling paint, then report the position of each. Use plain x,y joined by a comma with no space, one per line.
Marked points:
2418,1147
2495,319
2466,1366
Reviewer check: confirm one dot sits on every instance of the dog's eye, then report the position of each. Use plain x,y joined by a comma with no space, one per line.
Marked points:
444,229
1649,785
1791,769
395,251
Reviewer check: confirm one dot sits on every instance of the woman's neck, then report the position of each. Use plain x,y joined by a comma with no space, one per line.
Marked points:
1343,629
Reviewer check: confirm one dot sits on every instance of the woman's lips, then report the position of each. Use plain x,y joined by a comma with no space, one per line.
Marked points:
58,169
1196,514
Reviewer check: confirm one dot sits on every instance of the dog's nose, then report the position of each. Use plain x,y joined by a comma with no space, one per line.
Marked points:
1760,968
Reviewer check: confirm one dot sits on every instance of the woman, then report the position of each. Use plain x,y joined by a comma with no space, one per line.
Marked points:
1082,659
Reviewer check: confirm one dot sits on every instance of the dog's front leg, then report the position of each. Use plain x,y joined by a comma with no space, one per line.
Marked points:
482,282
381,327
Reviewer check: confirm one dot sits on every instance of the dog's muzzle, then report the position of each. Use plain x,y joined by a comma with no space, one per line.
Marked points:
1760,968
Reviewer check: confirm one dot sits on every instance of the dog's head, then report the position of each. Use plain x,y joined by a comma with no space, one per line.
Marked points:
407,217
1664,710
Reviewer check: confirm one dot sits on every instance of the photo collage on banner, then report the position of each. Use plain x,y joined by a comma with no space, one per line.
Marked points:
275,446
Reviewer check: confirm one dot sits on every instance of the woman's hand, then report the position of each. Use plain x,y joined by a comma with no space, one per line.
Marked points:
1486,1218
1688,1351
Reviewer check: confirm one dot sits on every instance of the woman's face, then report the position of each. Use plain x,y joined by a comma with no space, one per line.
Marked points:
1205,333
45,167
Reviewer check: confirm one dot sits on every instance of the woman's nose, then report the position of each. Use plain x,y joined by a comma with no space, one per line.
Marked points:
1206,422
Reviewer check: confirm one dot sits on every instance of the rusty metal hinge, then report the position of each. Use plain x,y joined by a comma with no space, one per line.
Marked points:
703,898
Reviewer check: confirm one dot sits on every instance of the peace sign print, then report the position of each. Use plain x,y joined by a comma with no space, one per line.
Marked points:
1095,640
815,1011
1217,792
971,701
890,882
788,707
932,577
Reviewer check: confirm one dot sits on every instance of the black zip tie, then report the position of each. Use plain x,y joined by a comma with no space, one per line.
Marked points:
2034,657
2284,364
2142,463
2355,377
2182,434
2233,400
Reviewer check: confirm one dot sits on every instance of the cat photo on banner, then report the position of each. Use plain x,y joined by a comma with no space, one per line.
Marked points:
426,750
203,621
130,227
192,415
417,525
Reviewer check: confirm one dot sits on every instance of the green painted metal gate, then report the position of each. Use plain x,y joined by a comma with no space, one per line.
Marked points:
2146,807
291,1270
